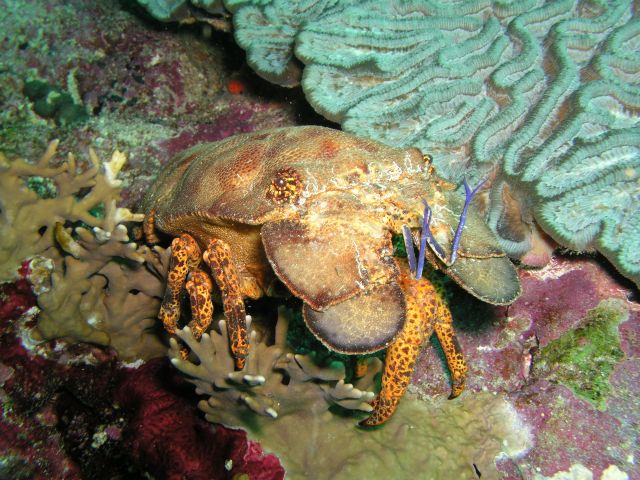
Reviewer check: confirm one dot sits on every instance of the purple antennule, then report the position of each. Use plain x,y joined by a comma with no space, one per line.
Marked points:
426,219
427,237
431,240
408,245
469,194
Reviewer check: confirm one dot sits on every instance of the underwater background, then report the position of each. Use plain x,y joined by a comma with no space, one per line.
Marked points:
541,98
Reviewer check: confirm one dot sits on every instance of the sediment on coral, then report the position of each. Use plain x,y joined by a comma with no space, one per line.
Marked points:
278,391
93,282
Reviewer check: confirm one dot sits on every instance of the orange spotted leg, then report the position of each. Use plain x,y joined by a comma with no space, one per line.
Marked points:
148,227
426,311
185,257
452,351
218,257
199,288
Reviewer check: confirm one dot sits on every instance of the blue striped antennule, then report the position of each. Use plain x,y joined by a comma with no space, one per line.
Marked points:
426,236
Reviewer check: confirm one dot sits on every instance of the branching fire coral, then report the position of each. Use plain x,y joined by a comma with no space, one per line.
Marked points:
274,383
93,283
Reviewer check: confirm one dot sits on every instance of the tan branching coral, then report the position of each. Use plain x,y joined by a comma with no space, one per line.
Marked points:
29,218
274,383
93,283
283,401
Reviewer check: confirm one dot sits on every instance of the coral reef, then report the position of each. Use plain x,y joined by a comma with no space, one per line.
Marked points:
577,418
16,297
261,386
148,93
542,97
39,198
73,411
532,352
28,446
93,283
278,391
168,437
279,22
154,91
580,472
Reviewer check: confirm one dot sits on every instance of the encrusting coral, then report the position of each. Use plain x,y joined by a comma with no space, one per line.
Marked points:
584,359
283,400
93,283
543,97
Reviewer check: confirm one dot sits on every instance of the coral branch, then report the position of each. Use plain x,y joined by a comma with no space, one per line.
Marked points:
273,382
93,283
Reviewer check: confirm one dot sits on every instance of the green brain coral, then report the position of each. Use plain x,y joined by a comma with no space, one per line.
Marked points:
542,96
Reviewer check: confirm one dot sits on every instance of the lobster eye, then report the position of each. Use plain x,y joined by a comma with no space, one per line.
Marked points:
285,187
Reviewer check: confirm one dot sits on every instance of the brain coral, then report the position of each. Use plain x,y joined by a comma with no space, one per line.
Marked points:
542,96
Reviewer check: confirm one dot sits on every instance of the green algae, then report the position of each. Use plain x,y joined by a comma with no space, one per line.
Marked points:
51,101
583,359
44,187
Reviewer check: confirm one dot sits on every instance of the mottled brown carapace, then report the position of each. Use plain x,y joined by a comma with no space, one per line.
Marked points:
318,208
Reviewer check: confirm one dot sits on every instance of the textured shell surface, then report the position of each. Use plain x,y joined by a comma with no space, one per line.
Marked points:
232,179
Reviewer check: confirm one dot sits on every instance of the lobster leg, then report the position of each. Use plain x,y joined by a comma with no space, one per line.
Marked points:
185,257
218,257
426,312
199,288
